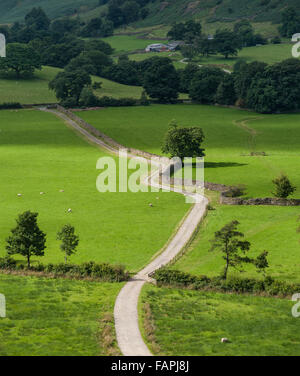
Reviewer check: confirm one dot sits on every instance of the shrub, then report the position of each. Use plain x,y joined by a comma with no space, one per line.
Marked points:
283,187
10,105
268,286
103,272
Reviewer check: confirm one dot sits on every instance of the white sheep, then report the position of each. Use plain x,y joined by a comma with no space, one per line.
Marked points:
69,210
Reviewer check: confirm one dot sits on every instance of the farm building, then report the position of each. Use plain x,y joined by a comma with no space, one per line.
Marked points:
160,47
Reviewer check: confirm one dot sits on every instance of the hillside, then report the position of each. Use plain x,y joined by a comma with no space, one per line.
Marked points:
161,12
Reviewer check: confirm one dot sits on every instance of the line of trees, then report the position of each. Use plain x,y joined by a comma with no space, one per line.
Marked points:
28,240
258,86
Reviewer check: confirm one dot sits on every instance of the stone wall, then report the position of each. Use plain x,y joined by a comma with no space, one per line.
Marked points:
274,201
95,132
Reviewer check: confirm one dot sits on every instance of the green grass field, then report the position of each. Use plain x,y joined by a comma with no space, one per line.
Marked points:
54,317
35,90
127,43
271,53
228,141
40,154
193,323
267,228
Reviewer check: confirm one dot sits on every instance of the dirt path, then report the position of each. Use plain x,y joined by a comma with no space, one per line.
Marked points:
128,333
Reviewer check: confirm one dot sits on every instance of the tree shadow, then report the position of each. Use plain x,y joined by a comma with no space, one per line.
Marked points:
223,164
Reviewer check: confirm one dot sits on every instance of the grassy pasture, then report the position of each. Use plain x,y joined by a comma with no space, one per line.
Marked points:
35,90
54,317
193,323
228,143
40,154
127,43
267,228
271,53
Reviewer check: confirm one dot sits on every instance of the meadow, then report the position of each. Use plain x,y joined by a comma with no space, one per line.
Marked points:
268,228
127,43
34,90
54,317
230,136
270,53
39,153
193,323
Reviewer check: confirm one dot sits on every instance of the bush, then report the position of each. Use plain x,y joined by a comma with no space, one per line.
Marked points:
113,102
283,187
103,272
268,286
10,105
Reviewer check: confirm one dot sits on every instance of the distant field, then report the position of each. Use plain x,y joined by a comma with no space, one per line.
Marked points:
54,317
125,43
30,90
228,144
35,90
271,53
193,323
40,154
267,228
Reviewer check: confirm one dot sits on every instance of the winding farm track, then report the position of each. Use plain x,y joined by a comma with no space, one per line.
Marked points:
128,333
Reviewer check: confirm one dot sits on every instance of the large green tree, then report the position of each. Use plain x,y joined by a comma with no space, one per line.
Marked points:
290,23
68,85
26,238
161,80
183,142
20,59
205,83
227,43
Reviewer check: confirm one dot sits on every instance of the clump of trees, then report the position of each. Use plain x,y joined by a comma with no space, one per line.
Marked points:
21,59
290,23
258,86
230,242
27,239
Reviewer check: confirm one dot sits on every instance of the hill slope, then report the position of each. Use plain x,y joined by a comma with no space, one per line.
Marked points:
161,12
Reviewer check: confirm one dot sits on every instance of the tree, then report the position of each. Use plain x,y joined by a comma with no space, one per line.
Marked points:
186,76
37,19
26,238
226,92
98,45
228,241
161,80
69,85
20,59
261,262
274,89
290,23
189,51
187,31
244,74
283,187
227,43
69,240
205,83
183,142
